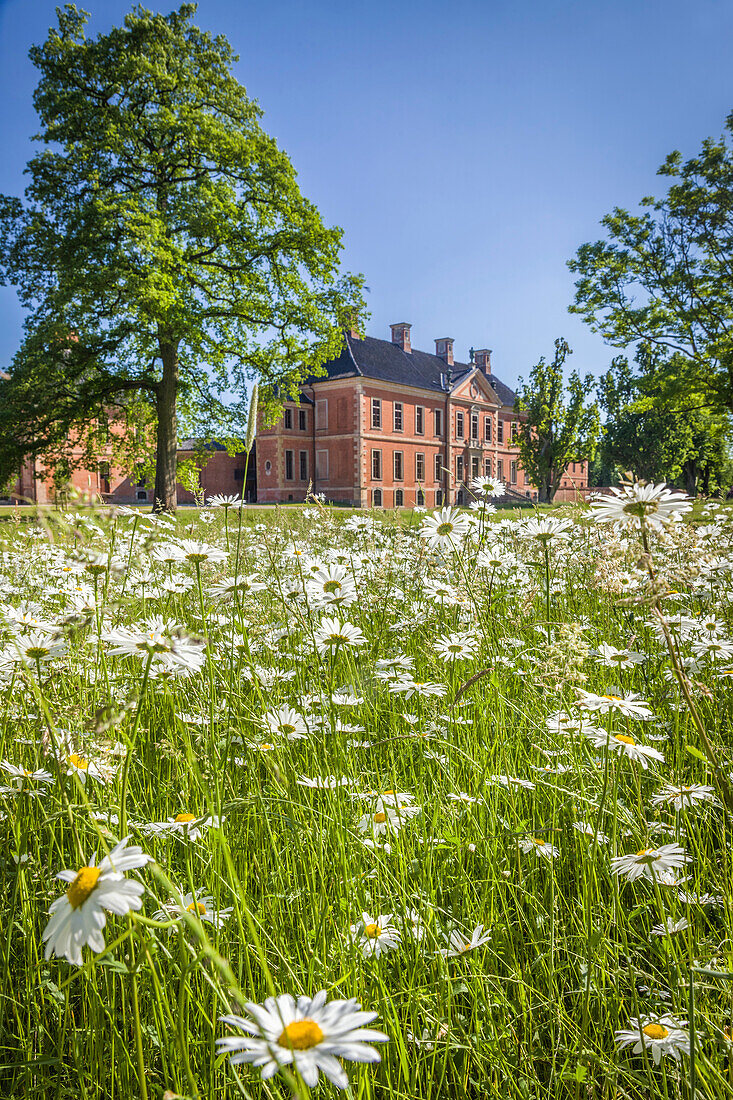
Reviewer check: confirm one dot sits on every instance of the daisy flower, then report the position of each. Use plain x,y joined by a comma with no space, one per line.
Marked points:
322,782
285,722
626,745
199,905
187,825
488,487
310,1034
663,1036
225,501
640,504
512,781
682,798
383,820
457,943
332,585
456,647
78,917
668,927
631,705
539,845
653,864
21,777
330,634
197,552
375,936
546,528
445,528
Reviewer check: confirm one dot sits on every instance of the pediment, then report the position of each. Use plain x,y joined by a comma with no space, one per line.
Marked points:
476,387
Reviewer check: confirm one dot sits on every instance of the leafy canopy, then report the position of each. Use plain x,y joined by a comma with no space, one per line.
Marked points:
164,251
662,279
558,427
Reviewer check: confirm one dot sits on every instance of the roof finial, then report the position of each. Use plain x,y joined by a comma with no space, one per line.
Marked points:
471,354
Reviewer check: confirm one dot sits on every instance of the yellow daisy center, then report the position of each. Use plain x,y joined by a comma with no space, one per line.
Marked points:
371,931
624,738
656,1031
643,852
444,528
380,818
332,586
82,886
265,746
286,728
612,698
539,841
78,762
196,907
183,819
300,1035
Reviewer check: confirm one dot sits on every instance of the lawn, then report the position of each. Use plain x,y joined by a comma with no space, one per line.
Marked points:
468,770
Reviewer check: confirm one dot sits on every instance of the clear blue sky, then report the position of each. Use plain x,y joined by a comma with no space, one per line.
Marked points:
466,148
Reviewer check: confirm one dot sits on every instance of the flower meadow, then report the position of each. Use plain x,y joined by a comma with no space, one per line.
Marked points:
409,805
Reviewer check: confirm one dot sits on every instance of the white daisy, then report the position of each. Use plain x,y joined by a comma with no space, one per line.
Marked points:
445,528
662,1035
375,935
681,797
309,1034
458,943
658,864
330,635
78,917
641,504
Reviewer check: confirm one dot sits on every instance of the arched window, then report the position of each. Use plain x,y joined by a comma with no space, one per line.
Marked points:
376,498
438,498
459,497
399,498
420,499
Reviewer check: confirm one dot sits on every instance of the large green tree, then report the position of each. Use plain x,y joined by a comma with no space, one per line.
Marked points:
663,277
661,441
558,425
164,251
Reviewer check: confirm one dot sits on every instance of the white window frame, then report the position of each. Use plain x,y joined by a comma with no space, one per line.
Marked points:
376,412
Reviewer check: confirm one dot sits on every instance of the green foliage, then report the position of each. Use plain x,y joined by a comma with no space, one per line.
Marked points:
556,428
657,441
662,279
164,251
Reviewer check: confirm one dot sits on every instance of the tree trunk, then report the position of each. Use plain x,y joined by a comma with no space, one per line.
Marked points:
545,493
166,455
689,472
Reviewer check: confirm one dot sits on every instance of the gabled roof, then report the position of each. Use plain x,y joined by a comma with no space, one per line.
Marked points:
387,362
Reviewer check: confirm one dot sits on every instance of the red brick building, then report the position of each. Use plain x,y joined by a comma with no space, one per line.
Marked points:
390,426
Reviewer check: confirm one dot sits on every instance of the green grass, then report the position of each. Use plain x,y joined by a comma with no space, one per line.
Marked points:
571,955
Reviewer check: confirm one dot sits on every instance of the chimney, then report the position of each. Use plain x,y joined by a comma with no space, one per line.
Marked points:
401,335
482,360
444,349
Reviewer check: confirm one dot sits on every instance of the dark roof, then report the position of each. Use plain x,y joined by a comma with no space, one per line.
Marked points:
387,362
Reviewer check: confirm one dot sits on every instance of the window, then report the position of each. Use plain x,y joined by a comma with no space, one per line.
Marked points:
513,473
487,467
104,477
474,425
420,499
303,465
399,467
459,467
500,431
141,494
268,467
322,415
103,428
322,465
438,498
438,467
487,429
302,420
419,420
500,468
288,418
289,462
376,497
514,430
376,413
438,421
399,498
377,465
398,417
474,466
573,467
459,425
419,467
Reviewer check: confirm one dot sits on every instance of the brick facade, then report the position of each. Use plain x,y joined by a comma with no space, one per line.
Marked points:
388,442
